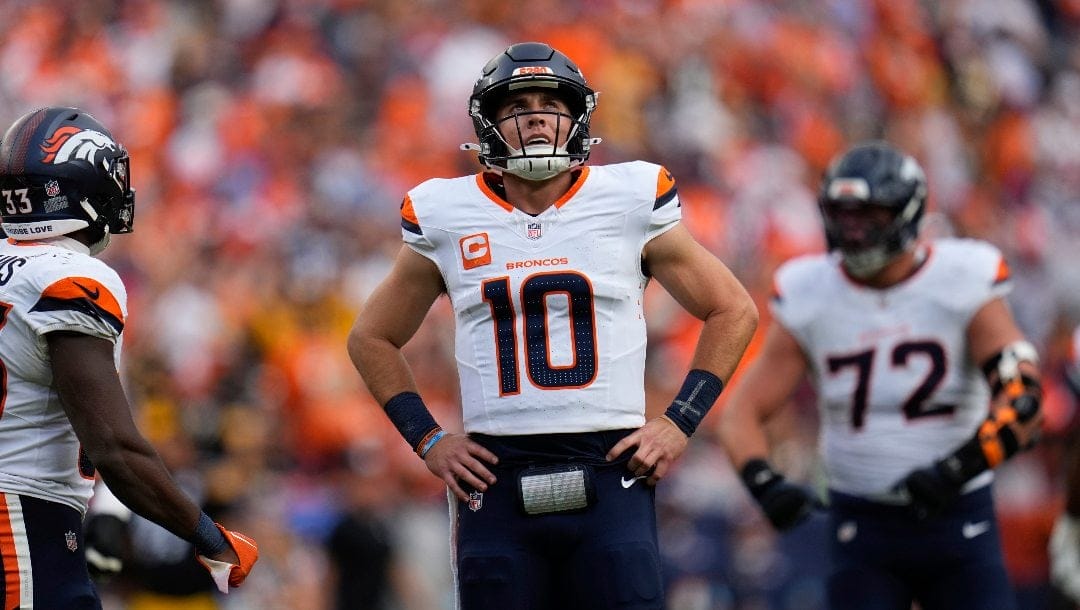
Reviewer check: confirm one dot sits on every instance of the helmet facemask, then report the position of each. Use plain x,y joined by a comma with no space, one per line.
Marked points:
868,244
872,201
538,161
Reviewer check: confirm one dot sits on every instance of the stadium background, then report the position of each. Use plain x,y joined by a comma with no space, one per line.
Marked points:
272,142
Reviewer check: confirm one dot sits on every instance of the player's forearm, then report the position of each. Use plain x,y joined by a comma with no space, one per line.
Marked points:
741,433
382,366
725,336
139,479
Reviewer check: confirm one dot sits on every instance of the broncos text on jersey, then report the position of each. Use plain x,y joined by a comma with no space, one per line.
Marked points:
550,329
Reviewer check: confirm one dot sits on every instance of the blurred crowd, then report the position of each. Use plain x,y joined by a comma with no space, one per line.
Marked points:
272,142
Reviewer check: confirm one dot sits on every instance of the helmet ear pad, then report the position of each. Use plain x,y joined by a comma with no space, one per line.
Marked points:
872,176
64,172
523,66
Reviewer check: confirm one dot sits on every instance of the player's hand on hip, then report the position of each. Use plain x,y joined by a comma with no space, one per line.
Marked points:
459,460
659,444
930,490
231,567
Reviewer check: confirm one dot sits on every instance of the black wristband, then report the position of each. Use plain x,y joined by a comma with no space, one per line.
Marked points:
208,539
965,463
697,395
758,476
411,417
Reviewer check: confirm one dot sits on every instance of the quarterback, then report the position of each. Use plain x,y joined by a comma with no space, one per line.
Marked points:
545,261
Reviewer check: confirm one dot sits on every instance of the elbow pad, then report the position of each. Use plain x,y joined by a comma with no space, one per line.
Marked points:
1002,371
1022,391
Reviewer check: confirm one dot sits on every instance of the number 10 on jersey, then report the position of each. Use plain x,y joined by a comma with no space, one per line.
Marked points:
533,303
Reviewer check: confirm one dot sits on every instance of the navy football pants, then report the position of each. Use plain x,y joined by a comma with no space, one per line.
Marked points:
41,549
883,558
603,557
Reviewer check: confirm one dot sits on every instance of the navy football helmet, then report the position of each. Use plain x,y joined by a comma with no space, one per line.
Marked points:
528,65
62,171
872,199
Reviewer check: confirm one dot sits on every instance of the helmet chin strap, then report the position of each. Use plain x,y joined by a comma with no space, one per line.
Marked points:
865,263
101,244
537,162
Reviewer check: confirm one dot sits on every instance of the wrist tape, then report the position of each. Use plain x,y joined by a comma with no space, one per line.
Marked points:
208,539
412,419
699,391
993,443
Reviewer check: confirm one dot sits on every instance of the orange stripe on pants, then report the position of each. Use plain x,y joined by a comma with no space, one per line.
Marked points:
10,558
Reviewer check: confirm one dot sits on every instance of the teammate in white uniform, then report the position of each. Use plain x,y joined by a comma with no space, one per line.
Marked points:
64,189
545,261
924,384
1064,546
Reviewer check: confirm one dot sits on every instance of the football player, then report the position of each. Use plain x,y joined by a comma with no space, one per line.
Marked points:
924,385
545,261
1064,547
64,190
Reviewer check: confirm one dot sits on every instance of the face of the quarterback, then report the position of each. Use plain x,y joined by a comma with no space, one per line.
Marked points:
531,117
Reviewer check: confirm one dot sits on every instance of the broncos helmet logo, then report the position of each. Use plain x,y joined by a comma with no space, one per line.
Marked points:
72,143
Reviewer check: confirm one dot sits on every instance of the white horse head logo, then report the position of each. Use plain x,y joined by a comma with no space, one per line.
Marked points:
72,143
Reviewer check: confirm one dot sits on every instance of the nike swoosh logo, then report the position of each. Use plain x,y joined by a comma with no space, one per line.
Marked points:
628,483
971,530
92,294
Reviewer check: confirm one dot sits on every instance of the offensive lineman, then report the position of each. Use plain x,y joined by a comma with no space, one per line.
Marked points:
64,189
924,385
545,261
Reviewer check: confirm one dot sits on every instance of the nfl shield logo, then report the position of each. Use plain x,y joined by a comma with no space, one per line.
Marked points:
476,501
533,230
72,541
52,188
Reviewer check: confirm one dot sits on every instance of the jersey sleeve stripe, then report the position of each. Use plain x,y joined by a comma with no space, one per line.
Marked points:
666,198
1003,273
665,188
774,294
409,221
85,295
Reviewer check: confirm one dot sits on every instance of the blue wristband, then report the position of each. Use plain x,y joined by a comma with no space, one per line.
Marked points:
699,391
411,417
431,443
208,539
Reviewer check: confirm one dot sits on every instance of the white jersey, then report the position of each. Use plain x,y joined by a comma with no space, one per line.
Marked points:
896,386
45,287
550,328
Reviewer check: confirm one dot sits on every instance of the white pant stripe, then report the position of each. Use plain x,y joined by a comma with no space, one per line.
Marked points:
22,550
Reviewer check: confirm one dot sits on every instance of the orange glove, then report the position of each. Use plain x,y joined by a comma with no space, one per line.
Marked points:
227,574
